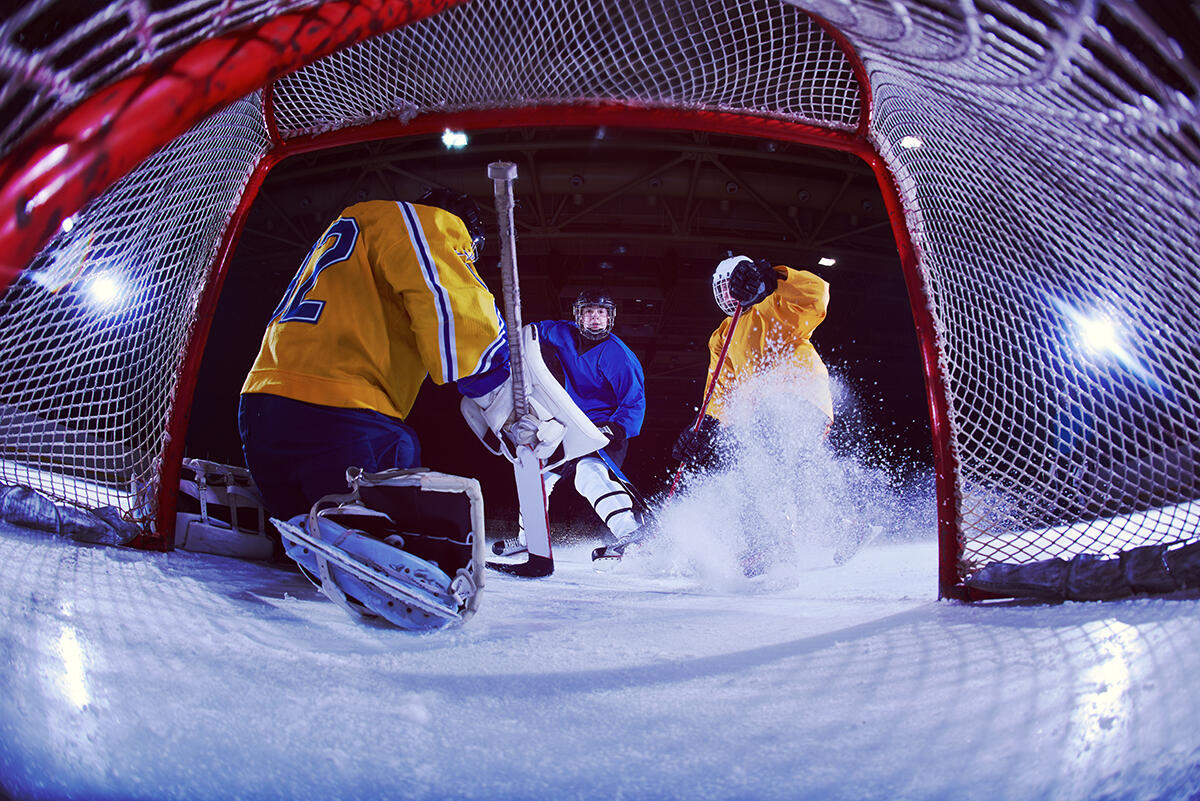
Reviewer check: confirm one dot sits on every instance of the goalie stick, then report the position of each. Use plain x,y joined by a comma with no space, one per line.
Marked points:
527,467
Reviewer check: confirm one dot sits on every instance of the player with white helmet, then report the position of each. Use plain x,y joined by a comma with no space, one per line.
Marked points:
779,309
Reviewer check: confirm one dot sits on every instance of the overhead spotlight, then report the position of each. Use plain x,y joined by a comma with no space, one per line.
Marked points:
826,261
910,142
802,195
731,187
606,265
454,140
575,180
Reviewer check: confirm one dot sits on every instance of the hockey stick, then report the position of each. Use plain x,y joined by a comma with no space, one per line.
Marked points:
527,469
617,549
737,313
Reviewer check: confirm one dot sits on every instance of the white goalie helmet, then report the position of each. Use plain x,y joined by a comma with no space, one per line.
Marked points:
720,283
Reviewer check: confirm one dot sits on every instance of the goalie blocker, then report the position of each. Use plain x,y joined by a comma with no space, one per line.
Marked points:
563,432
403,545
551,433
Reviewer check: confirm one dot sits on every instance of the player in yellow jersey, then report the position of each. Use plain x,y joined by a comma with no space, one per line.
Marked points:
772,390
388,295
781,308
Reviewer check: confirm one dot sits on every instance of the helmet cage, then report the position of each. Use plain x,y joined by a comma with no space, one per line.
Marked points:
720,284
592,299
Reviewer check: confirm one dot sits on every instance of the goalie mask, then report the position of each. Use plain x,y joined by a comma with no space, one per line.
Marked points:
720,283
462,207
590,327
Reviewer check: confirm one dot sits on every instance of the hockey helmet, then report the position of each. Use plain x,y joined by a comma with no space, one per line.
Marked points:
460,206
720,283
591,298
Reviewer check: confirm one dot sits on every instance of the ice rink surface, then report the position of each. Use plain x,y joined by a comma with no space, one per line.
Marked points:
133,675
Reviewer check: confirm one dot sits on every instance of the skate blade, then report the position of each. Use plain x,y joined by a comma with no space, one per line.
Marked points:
536,567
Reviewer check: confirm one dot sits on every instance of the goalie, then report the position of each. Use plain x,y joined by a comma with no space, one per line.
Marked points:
388,295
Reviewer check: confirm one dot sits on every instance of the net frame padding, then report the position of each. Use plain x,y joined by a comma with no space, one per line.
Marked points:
1056,177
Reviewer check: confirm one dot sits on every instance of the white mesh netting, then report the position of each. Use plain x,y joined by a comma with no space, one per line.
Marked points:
57,53
93,333
756,57
1047,159
1053,198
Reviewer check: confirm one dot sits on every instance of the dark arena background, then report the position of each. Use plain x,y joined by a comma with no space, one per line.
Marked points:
643,215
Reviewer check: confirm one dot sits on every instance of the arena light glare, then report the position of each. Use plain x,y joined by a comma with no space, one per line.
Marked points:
1103,339
911,142
826,261
105,291
454,140
1098,335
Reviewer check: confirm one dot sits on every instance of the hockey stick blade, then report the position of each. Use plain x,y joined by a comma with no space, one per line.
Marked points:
536,567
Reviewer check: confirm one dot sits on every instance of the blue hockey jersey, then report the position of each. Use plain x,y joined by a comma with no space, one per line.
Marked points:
605,381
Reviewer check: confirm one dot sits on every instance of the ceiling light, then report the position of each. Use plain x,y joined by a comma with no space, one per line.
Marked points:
826,261
454,140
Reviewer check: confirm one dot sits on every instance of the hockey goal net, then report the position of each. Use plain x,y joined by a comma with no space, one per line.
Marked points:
1042,166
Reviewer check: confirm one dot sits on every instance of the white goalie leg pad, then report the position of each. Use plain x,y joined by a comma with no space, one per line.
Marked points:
404,545
548,402
608,497
549,480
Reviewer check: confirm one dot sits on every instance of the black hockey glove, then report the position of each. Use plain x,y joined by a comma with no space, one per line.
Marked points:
751,281
615,433
697,445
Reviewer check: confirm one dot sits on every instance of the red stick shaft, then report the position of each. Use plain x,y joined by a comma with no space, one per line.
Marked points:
737,313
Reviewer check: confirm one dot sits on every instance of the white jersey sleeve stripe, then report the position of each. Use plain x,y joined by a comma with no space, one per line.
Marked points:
488,356
445,315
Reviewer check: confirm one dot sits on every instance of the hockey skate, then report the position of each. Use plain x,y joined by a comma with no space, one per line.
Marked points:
512,546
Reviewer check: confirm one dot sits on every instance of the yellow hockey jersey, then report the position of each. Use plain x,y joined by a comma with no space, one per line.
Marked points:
387,295
774,334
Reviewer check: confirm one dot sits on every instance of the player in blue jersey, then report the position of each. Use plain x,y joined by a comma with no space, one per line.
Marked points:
605,379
